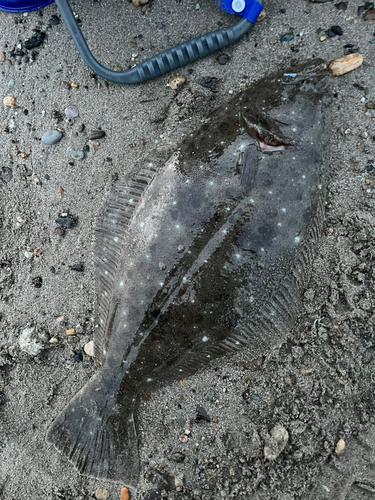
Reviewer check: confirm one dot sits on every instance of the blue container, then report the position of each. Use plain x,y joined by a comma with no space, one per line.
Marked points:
23,5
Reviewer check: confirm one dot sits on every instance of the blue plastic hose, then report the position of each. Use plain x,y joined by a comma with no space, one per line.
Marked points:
169,60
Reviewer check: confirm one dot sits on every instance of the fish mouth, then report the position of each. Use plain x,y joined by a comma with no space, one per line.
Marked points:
268,140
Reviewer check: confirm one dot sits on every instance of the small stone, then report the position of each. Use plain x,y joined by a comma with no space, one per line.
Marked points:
322,38
223,59
37,282
101,494
60,319
89,348
261,16
2,56
28,255
95,134
75,154
340,446
9,101
202,415
334,31
34,41
139,3
66,222
25,59
288,37
345,64
368,182
178,457
179,480
53,340
307,371
176,82
74,85
27,344
71,112
95,144
370,105
369,16
60,190
78,356
6,174
37,252
124,494
71,331
77,267
276,443
55,20
51,137
364,135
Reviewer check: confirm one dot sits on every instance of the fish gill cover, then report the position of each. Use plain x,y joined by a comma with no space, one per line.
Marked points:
197,258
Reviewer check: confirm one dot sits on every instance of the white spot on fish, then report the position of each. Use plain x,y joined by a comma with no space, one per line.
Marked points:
238,255
156,235
124,326
211,183
121,283
73,410
105,272
147,256
187,182
174,203
279,224
104,352
304,177
251,200
161,284
131,200
224,231
251,298
124,313
149,380
228,209
262,249
177,227
115,239
141,224
297,239
269,192
283,209
193,301
205,339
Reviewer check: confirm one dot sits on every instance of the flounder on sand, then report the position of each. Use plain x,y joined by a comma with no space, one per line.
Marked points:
196,259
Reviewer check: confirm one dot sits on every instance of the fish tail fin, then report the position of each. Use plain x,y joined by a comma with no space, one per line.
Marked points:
98,435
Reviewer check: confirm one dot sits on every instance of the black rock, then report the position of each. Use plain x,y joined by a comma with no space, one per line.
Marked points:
336,30
223,59
367,336
246,394
66,222
3,399
55,20
210,82
96,134
288,37
37,282
341,5
78,356
34,41
178,457
364,8
202,415
6,174
77,267
86,148
53,270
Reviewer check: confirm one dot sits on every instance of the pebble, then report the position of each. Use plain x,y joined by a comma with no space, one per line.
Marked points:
71,331
71,112
344,64
27,344
28,255
277,441
179,480
95,134
51,137
340,446
223,59
101,494
60,190
78,356
176,82
2,56
66,222
6,174
202,415
89,348
9,101
37,282
124,494
76,267
178,457
334,30
370,105
53,340
369,16
139,3
55,20
75,154
261,16
34,41
288,37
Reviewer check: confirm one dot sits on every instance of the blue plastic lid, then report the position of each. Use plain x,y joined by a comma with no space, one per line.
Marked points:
249,9
23,5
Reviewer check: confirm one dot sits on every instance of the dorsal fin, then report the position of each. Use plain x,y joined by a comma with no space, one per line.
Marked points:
120,208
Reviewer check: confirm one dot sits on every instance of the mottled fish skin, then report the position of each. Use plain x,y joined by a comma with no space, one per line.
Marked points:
196,259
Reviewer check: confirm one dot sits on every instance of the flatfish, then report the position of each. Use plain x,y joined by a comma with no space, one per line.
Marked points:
197,258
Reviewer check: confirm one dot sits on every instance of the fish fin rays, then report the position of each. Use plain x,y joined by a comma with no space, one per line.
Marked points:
120,208
96,441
